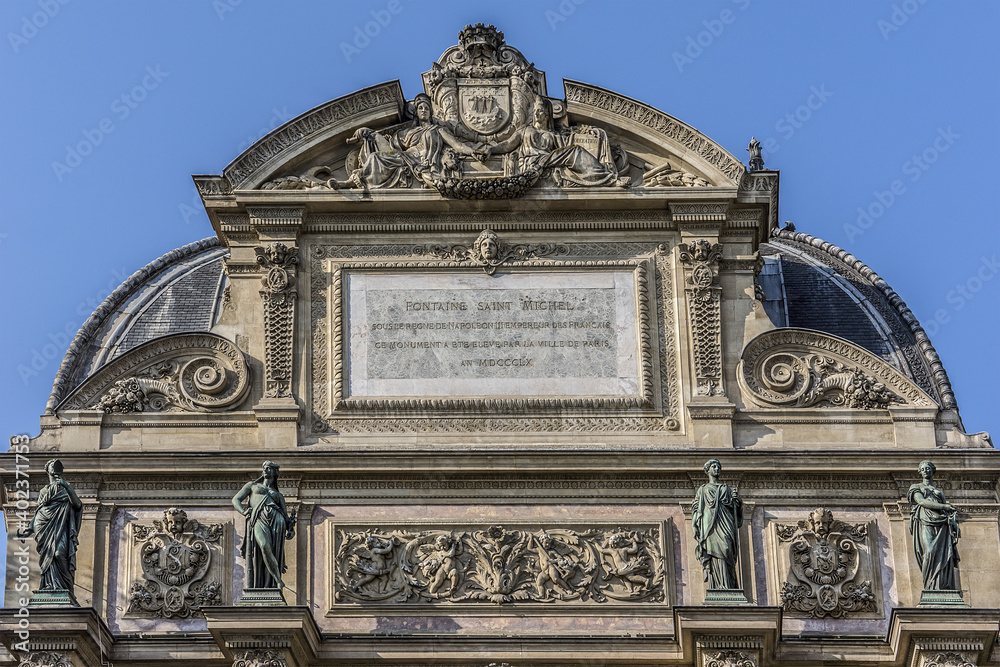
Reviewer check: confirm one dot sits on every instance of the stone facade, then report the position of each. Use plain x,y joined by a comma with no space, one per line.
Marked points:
491,337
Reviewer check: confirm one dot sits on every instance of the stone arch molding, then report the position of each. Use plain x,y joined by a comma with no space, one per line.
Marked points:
484,96
190,372
801,368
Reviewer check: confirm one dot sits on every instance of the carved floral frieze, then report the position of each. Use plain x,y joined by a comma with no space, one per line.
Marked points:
730,659
176,560
44,659
499,564
948,659
798,368
826,572
258,658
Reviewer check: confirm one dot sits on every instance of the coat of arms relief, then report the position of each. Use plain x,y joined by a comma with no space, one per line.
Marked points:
180,563
484,128
829,567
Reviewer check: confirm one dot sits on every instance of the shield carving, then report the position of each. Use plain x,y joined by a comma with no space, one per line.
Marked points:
484,107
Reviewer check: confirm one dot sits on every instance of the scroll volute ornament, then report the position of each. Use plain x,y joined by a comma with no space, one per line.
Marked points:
192,372
800,368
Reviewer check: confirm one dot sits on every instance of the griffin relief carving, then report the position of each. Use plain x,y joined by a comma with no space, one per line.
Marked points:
499,565
824,564
175,555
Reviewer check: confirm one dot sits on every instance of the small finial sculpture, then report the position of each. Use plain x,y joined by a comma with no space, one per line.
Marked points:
717,515
934,526
56,527
268,525
756,161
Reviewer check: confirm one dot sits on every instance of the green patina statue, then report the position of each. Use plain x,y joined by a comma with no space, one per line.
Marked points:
934,526
56,526
268,525
717,515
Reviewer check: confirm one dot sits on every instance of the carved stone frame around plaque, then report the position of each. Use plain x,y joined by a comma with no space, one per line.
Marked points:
538,568
840,594
656,408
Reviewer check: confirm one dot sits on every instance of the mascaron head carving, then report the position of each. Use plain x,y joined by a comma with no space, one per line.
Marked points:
174,521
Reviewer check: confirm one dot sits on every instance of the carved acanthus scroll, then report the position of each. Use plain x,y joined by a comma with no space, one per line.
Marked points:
499,565
278,262
701,262
798,368
824,562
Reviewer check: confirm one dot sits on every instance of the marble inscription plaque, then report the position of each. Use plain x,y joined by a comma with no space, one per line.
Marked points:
537,333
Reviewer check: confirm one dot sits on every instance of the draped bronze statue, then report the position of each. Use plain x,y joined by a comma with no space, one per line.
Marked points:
934,526
717,515
56,527
268,525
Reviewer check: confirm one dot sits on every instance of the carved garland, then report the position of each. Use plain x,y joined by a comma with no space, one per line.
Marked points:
278,261
327,288
184,372
802,368
499,565
701,261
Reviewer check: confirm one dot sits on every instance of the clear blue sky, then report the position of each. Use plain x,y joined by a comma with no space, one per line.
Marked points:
849,97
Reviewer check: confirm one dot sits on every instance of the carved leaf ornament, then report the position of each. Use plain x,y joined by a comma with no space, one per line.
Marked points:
799,368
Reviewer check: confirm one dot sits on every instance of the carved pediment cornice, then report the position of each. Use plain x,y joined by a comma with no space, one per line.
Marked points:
375,105
584,100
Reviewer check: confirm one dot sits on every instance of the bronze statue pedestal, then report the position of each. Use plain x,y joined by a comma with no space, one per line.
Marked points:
53,598
262,597
725,596
930,598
